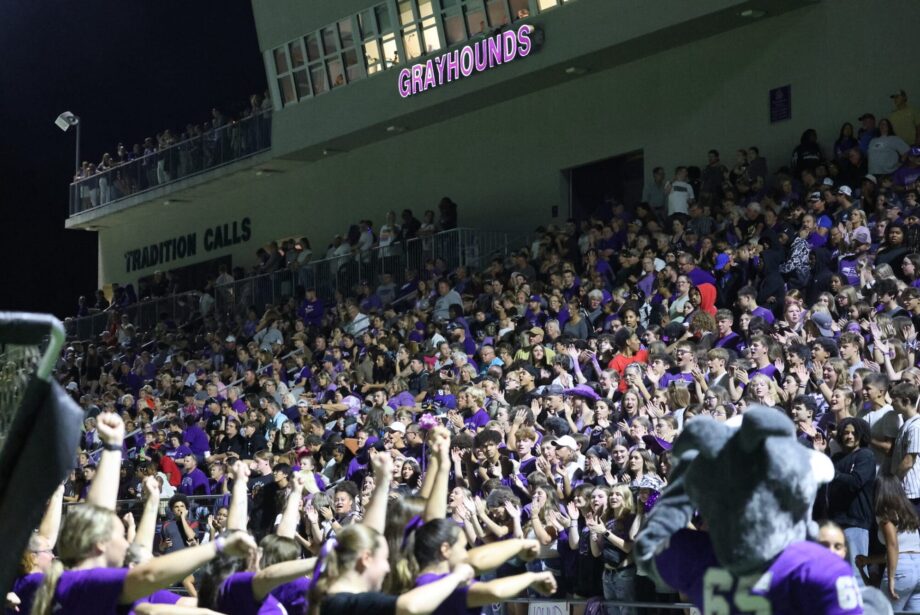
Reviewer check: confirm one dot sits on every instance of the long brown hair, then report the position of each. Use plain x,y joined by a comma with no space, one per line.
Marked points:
83,527
341,557
892,505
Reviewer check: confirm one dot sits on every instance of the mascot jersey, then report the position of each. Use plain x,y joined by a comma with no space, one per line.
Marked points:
804,578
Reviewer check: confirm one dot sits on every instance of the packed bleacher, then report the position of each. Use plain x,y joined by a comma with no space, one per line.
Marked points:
513,422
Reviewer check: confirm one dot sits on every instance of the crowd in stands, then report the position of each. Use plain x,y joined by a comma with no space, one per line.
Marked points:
514,422
157,160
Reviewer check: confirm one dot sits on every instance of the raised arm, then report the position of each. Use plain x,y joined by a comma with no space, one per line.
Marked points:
269,578
291,515
493,555
425,599
160,572
146,528
103,491
238,513
436,504
376,514
499,590
51,522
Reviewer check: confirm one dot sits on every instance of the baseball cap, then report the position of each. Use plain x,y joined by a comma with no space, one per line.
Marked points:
552,389
845,190
230,338
72,386
814,196
303,403
397,426
827,181
536,331
823,321
862,235
535,298
650,481
872,178
660,264
565,442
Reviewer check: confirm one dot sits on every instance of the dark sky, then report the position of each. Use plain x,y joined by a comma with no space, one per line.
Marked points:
129,70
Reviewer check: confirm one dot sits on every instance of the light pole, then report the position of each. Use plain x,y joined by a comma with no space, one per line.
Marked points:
64,121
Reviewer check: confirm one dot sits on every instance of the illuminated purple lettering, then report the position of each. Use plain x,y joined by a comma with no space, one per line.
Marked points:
509,42
525,45
405,80
429,76
417,79
466,61
495,51
481,51
453,65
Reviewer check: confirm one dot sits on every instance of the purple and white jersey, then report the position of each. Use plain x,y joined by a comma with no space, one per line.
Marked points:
804,578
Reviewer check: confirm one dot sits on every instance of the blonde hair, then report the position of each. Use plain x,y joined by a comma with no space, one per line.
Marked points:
629,502
350,544
402,573
84,527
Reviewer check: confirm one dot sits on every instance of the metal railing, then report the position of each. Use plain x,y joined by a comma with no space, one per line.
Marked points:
196,154
471,248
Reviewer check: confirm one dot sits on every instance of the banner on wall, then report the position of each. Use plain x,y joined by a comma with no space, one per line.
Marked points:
186,245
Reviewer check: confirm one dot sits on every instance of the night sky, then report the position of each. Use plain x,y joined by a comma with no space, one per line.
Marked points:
129,70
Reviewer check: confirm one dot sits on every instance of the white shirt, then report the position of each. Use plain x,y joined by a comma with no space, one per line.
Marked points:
679,197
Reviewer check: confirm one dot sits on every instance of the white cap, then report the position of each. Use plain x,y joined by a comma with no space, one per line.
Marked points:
397,426
565,442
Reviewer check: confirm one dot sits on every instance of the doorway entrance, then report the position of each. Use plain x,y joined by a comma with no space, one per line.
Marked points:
596,186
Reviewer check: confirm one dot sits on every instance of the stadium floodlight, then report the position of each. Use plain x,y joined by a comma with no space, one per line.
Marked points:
64,121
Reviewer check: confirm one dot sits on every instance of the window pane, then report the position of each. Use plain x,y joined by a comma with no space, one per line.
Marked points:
425,9
352,67
449,3
368,23
405,12
476,21
345,31
383,18
336,73
520,9
302,84
547,4
296,51
411,43
390,52
498,13
287,89
312,47
453,29
329,42
318,75
432,38
281,65
372,57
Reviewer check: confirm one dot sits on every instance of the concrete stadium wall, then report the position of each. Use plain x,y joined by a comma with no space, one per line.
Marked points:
502,164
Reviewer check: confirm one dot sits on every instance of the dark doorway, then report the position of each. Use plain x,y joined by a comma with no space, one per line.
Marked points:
191,277
594,187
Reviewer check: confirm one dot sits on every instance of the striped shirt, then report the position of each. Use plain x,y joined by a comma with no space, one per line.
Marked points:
907,443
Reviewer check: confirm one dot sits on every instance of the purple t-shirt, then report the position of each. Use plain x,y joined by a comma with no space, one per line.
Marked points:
234,597
162,596
195,483
25,587
805,578
479,419
764,313
95,590
455,603
293,596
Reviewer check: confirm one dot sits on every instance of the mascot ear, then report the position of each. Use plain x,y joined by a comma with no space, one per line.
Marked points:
701,436
761,422
822,468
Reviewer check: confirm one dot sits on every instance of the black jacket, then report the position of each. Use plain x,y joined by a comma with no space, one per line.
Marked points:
849,495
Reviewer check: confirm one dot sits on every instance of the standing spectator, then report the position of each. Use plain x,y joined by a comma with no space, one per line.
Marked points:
807,154
680,192
905,120
654,193
886,150
867,131
712,176
906,447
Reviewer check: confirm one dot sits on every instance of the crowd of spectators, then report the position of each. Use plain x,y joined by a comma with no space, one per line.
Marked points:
528,408
174,154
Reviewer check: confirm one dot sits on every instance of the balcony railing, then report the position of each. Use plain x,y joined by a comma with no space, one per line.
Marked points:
471,248
198,154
